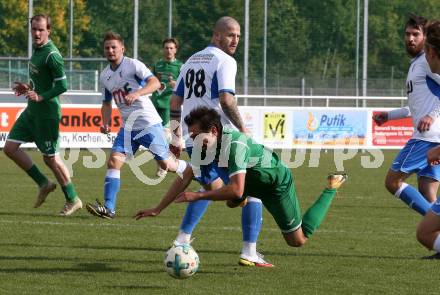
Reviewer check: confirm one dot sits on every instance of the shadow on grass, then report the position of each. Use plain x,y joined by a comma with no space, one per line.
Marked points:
116,248
94,267
82,267
287,252
127,287
84,247
41,213
74,259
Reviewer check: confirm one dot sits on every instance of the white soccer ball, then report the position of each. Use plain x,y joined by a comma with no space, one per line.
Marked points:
181,261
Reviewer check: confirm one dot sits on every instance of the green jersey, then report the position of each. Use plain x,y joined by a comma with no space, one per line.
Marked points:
47,79
265,173
164,71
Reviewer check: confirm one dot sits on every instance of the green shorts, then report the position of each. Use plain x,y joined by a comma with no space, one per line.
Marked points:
164,114
43,131
283,205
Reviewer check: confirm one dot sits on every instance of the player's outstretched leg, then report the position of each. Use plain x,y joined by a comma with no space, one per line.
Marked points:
251,221
413,198
314,216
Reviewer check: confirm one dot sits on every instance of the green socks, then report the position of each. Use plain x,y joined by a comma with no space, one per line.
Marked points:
37,176
315,214
69,192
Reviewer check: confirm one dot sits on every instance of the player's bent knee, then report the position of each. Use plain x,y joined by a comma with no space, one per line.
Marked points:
294,241
10,149
50,161
392,185
423,238
115,162
163,164
8,152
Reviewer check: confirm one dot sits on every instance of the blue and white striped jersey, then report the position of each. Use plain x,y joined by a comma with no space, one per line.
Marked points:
129,76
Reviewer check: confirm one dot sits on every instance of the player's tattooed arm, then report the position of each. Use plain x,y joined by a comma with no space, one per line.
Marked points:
229,107
175,128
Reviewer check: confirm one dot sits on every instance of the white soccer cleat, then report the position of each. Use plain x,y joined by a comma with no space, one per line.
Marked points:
257,261
70,208
44,191
161,172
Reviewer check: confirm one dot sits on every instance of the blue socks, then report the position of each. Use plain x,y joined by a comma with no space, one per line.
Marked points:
413,198
251,220
112,183
193,214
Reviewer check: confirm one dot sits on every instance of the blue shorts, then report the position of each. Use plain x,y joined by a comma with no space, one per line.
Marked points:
210,172
413,159
153,138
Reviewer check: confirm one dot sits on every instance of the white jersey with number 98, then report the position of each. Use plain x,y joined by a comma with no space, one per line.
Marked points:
202,78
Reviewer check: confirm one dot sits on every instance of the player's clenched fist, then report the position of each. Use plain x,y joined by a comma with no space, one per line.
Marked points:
380,118
20,88
434,156
105,129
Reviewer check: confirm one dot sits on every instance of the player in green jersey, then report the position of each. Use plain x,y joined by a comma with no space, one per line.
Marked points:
39,122
253,170
167,71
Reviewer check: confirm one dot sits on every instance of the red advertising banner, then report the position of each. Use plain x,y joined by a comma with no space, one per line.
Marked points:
8,116
86,119
73,119
392,133
79,126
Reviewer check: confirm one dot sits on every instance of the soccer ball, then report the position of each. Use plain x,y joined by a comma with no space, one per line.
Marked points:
181,261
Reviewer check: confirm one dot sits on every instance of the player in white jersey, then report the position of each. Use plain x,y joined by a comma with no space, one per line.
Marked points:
128,81
208,79
424,107
429,228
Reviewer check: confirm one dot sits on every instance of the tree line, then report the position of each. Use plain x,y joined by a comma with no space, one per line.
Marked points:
313,38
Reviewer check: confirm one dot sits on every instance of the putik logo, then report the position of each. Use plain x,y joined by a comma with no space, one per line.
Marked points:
337,120
312,125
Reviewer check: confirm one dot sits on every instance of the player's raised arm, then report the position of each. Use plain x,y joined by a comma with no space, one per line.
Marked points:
178,186
152,83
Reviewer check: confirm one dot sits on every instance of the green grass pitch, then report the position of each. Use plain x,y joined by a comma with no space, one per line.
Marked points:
366,244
